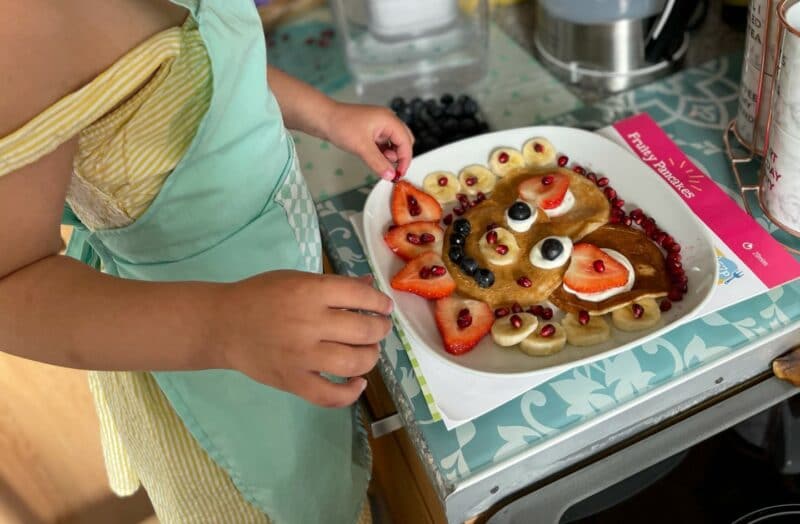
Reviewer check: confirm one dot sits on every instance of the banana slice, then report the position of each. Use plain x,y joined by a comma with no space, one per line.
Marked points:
503,248
505,159
594,332
442,185
505,333
539,152
539,345
476,179
625,319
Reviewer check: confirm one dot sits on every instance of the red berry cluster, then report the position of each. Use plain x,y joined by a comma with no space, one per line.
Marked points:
677,275
464,204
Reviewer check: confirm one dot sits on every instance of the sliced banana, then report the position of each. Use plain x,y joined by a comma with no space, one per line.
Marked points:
539,152
506,334
442,185
537,345
625,320
505,159
476,179
594,332
495,253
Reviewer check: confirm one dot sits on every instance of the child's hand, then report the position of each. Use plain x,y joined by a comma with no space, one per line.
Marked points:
375,134
284,328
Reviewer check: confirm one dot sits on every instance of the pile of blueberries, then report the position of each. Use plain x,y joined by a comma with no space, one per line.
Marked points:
461,229
439,122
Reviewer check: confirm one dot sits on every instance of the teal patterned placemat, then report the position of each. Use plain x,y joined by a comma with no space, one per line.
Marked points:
694,108
516,92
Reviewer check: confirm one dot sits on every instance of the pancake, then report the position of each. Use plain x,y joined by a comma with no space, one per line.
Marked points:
591,209
505,289
648,265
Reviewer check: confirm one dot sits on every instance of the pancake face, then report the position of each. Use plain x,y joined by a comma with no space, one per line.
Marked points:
648,265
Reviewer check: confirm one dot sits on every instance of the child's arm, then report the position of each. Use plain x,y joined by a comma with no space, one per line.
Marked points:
360,129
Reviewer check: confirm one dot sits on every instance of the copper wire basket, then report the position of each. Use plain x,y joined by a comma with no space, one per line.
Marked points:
751,150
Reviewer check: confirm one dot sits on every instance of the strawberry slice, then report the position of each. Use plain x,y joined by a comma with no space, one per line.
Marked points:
546,191
425,276
410,204
462,323
592,270
411,240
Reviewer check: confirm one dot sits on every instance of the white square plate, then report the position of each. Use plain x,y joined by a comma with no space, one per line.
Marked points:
634,182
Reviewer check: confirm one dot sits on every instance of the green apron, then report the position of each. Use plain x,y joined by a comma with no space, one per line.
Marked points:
236,206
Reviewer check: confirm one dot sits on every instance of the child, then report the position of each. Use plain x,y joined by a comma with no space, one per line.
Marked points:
153,121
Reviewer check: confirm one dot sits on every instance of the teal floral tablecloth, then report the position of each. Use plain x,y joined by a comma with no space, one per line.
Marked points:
693,107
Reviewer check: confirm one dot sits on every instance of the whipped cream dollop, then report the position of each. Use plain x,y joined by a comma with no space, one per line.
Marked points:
563,208
604,295
521,226
538,260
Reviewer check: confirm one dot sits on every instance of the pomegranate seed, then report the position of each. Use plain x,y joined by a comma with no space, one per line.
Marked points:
665,305
562,160
674,257
602,182
648,227
501,312
615,219
627,221
442,181
411,201
547,331
491,226
448,219
684,288
537,310
599,266
615,211
425,273
502,249
438,271
415,211
579,170
471,180
516,321
637,310
462,199
675,295
502,157
397,176
667,241
638,220
547,313
676,270
592,177
660,237
524,282
413,239
516,308
675,248
458,211
491,237
618,202
636,213
654,234
547,180
480,197
610,193
465,321
463,312
427,238
538,147
474,203
679,280
583,317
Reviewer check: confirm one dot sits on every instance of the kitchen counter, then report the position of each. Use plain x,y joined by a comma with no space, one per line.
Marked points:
713,38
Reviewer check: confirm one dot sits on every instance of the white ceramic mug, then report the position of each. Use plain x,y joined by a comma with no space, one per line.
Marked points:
746,116
757,34
780,186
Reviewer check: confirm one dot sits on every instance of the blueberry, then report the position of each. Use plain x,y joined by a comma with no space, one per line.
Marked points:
446,99
457,239
551,248
468,126
469,266
463,99
484,278
406,116
425,117
428,142
520,211
462,226
416,104
456,253
436,112
450,125
436,130
397,104
430,103
455,109
483,127
470,107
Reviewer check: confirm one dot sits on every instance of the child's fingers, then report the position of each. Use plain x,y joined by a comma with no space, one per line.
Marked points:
377,161
323,392
354,293
345,361
352,328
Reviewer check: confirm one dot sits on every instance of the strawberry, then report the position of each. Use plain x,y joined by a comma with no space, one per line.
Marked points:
411,240
592,270
425,276
410,204
546,191
462,323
